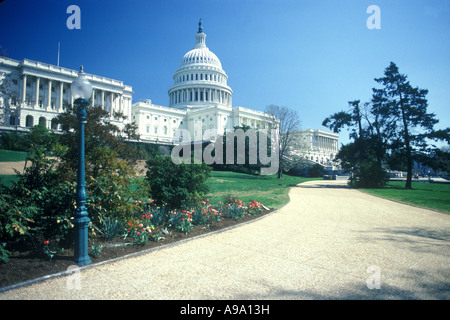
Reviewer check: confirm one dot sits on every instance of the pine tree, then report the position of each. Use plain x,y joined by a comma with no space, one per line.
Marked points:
403,109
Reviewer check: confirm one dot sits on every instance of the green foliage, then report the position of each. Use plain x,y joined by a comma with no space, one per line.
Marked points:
14,141
40,204
393,130
370,175
233,208
316,170
177,185
158,215
97,249
111,227
181,220
4,254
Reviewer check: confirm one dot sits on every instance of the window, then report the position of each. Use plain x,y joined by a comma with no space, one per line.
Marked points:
156,130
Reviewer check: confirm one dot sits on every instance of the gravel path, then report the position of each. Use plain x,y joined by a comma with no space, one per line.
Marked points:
7,168
329,242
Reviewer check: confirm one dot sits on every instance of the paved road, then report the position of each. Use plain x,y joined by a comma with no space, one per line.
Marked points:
329,242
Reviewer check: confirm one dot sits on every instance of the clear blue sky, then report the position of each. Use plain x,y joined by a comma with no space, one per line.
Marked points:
310,55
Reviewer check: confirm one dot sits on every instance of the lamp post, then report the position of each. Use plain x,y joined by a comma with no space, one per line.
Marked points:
81,90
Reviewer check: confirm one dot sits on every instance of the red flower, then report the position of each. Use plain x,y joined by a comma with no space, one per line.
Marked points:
46,242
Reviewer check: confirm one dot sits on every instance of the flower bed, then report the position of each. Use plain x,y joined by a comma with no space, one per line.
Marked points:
151,226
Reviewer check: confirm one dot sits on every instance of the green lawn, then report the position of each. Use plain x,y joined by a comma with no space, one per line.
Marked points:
8,180
12,156
268,190
429,195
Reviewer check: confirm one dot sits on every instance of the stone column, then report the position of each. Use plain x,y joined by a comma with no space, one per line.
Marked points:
111,106
36,103
24,88
61,92
49,95
93,98
103,100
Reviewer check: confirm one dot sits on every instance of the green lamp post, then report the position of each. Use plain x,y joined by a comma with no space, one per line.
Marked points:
81,90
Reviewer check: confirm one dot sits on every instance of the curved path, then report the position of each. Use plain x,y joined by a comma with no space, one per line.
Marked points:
329,242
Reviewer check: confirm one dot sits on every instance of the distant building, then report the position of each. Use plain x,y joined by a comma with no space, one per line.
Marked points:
318,146
35,93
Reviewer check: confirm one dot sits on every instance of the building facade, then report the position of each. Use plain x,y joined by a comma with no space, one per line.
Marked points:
317,146
35,93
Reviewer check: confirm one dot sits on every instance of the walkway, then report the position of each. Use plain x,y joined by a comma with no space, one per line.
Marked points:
329,242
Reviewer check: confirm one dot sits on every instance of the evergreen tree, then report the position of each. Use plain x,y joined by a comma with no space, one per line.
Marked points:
403,109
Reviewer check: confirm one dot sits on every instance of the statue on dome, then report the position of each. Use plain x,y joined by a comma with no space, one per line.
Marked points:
200,29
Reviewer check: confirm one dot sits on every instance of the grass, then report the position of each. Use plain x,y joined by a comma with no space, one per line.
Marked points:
269,190
8,180
428,195
12,156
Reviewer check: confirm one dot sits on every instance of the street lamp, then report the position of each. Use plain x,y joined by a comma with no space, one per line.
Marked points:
81,90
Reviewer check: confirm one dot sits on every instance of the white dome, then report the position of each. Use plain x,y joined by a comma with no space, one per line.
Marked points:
200,56
200,80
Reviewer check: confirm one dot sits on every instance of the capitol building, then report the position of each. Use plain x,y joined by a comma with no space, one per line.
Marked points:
199,101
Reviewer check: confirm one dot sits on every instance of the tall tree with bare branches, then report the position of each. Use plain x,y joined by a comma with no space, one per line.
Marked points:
285,121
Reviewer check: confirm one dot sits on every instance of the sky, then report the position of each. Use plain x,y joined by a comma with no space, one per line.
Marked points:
313,56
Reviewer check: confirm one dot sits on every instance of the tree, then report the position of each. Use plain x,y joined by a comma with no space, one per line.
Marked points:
394,130
403,108
285,123
363,157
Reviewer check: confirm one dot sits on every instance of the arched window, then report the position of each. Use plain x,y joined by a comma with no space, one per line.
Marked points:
43,121
29,121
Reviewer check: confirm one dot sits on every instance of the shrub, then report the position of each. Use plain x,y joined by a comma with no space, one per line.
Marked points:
370,175
177,185
316,170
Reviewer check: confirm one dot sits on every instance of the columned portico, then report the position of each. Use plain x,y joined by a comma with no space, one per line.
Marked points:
40,91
